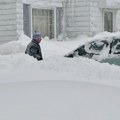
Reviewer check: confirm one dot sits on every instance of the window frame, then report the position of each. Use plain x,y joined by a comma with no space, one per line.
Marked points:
41,7
114,18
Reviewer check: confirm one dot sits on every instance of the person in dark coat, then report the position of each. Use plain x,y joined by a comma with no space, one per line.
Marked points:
33,48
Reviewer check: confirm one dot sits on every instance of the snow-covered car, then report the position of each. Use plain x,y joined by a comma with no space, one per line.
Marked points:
102,50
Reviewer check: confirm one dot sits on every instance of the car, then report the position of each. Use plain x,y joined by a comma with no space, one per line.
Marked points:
102,50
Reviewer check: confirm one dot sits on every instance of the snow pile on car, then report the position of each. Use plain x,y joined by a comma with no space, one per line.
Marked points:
102,46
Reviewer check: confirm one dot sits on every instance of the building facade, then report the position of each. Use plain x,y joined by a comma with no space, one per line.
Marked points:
54,17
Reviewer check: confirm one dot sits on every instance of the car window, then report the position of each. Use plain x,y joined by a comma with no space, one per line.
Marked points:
115,45
118,47
81,50
115,42
98,45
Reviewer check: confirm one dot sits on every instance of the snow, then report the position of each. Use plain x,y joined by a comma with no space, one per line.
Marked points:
57,88
101,49
14,61
59,100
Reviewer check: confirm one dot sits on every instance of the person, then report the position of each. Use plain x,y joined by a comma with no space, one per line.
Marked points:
33,48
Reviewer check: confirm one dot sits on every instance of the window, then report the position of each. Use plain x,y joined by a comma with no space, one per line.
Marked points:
108,21
98,45
43,21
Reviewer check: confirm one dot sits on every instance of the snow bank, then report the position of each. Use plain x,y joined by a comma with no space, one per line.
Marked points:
16,63
15,46
107,35
52,89
59,100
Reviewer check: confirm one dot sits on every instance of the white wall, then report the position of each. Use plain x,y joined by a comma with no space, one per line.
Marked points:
78,18
11,20
19,16
7,20
96,17
86,19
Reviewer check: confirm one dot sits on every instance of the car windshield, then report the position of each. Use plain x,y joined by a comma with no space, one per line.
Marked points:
98,45
118,47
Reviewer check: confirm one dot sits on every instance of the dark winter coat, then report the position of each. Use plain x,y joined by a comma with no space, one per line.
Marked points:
33,49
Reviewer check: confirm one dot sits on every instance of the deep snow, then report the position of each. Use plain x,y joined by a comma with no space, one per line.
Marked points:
59,100
14,63
56,88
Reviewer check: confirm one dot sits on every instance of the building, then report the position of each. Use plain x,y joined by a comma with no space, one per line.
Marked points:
54,17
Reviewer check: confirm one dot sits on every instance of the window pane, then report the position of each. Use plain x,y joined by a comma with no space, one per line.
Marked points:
43,21
108,21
